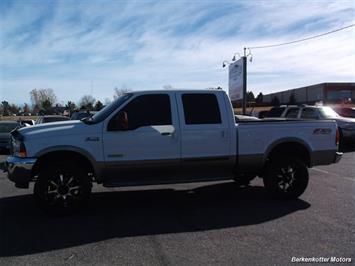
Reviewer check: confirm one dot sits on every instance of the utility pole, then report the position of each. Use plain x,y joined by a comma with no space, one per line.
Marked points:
244,58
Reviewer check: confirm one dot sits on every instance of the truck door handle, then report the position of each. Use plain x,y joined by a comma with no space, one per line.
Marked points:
166,133
223,134
92,139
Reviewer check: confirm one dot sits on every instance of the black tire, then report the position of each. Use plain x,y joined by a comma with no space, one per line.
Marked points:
286,178
341,140
62,188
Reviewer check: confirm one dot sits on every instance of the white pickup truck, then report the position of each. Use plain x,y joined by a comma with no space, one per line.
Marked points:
166,136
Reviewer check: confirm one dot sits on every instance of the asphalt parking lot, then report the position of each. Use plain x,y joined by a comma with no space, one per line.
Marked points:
193,224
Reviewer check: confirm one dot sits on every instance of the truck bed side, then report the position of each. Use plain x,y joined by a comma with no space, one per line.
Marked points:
315,141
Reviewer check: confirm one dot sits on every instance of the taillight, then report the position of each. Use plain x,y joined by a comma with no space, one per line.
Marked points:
337,137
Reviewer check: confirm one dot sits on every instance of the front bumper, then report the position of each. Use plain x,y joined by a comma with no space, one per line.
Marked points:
19,170
348,134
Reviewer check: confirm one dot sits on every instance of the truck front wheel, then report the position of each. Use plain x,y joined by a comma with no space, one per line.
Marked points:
62,188
286,178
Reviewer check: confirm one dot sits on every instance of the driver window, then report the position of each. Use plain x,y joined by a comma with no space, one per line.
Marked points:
145,110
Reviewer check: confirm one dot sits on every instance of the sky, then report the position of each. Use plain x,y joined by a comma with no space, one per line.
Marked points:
91,47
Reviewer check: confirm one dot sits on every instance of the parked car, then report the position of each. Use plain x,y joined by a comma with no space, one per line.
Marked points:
242,118
27,122
5,128
346,125
82,114
164,137
345,111
263,114
51,118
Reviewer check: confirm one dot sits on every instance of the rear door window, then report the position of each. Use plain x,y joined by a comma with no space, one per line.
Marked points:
201,108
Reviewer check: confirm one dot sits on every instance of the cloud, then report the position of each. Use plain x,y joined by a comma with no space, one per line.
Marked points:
68,45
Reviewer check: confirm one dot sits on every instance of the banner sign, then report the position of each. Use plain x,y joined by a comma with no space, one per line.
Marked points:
235,82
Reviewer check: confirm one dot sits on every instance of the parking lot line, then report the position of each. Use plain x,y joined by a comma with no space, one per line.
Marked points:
330,173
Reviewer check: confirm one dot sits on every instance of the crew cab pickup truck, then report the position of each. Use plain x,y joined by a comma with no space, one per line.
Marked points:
167,136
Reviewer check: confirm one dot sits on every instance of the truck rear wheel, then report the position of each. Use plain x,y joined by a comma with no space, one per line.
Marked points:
62,188
286,178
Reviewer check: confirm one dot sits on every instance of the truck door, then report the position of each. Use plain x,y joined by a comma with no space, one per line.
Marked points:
205,134
148,144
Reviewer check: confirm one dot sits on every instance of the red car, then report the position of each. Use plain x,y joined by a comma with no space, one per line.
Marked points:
345,111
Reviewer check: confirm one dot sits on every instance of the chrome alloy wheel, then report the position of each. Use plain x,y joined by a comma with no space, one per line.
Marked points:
62,190
286,177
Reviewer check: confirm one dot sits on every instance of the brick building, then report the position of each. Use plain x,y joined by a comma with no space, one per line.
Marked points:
330,92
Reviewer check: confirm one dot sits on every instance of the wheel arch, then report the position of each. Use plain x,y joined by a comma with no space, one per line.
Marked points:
69,153
291,146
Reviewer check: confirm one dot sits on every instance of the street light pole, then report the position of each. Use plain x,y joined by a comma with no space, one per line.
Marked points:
244,105
244,65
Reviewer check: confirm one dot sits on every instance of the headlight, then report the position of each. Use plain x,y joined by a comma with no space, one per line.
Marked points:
18,148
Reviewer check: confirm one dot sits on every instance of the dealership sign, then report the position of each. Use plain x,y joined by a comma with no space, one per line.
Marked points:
235,83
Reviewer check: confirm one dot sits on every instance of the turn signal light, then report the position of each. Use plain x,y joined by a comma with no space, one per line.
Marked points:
22,152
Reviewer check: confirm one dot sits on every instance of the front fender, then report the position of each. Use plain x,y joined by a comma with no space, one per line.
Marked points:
59,148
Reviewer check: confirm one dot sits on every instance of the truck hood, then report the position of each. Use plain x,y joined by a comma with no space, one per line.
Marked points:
62,128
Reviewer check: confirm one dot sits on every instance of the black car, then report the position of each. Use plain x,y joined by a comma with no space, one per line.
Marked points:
82,114
5,128
51,118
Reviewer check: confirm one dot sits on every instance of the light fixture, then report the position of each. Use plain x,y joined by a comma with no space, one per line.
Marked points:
225,63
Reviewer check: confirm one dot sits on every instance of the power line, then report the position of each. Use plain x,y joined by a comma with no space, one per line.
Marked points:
302,40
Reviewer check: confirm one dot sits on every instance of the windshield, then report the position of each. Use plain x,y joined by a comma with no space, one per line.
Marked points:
105,112
328,112
6,128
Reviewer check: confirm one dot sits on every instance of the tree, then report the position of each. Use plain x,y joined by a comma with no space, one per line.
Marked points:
26,109
98,106
275,101
35,109
46,107
14,109
259,98
38,97
87,102
250,96
119,92
70,106
292,99
5,108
